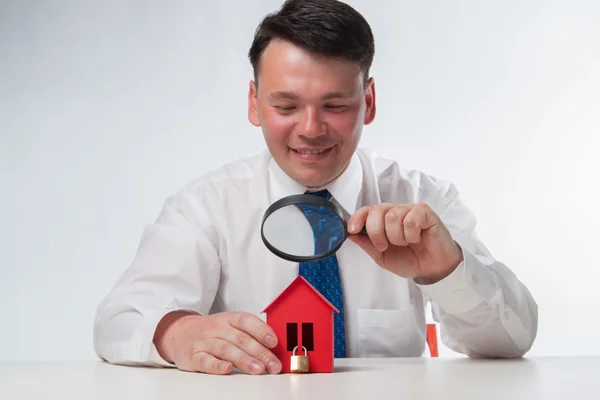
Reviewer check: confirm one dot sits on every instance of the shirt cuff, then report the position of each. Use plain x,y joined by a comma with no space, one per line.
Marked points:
469,284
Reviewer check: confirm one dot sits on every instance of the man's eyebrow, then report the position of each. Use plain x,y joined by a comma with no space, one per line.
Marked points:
294,96
337,95
283,96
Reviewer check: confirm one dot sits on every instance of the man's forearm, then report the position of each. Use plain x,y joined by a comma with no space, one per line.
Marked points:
485,310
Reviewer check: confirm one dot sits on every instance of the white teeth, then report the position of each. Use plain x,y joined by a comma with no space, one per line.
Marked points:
310,152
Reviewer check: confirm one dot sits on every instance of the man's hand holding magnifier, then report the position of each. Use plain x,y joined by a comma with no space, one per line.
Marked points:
409,240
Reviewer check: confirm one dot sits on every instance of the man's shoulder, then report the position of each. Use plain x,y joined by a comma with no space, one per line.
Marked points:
243,172
396,180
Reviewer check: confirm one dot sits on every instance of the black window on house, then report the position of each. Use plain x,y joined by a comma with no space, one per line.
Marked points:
292,335
308,336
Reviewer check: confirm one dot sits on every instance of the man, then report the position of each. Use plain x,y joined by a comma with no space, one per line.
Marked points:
193,295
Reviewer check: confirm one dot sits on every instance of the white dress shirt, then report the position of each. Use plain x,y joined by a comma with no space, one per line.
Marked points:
204,253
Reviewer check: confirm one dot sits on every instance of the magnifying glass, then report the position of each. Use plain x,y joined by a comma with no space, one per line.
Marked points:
304,227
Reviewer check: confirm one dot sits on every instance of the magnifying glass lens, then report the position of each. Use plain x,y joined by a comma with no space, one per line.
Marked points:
303,230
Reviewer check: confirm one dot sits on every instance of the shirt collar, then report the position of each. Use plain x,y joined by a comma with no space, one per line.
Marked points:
345,189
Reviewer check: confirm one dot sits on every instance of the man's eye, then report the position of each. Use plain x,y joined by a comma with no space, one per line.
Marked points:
285,108
335,106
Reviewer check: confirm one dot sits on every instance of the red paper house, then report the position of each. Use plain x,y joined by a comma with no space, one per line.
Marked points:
301,316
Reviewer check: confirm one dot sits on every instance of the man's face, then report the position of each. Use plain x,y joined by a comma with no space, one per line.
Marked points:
311,109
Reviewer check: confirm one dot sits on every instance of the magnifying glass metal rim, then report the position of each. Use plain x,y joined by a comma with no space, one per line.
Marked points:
310,199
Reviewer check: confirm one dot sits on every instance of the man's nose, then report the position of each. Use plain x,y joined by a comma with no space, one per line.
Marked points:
311,126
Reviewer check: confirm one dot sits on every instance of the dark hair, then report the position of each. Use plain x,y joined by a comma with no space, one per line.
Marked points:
327,27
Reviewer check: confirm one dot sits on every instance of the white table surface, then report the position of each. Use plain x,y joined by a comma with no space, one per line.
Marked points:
414,378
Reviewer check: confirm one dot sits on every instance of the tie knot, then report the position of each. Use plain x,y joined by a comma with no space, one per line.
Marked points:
321,193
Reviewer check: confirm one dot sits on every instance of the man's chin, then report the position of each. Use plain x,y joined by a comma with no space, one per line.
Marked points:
312,180
310,175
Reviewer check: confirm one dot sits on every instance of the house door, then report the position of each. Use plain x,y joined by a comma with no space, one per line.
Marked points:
302,335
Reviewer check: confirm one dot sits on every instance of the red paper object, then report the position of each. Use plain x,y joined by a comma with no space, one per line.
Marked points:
432,340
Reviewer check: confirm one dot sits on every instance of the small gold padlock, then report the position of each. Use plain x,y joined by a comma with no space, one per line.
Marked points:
299,364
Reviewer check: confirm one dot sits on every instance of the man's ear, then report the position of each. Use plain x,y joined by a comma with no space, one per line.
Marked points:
370,101
253,105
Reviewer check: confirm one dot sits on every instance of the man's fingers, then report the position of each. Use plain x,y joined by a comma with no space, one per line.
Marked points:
376,228
204,362
419,218
358,220
255,327
254,348
227,351
394,225
251,335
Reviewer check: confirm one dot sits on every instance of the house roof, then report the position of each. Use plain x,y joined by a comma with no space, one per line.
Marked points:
299,281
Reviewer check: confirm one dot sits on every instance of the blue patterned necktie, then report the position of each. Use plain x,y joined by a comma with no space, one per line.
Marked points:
324,274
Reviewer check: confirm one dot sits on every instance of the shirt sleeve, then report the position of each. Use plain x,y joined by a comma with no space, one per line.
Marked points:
482,307
176,267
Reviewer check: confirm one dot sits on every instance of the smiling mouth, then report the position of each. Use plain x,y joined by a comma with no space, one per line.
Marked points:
311,151
312,155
